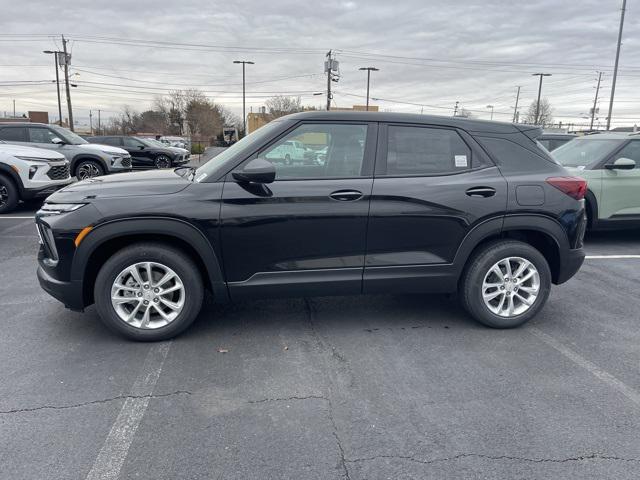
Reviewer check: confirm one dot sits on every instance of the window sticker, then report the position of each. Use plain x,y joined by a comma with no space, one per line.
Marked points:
461,161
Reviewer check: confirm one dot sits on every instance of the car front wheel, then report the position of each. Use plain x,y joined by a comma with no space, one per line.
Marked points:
162,161
506,284
148,292
88,169
8,195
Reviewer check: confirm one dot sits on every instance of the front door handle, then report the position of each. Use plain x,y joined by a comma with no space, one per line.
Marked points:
346,195
481,192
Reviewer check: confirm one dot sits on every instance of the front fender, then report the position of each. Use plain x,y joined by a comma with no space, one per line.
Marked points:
165,226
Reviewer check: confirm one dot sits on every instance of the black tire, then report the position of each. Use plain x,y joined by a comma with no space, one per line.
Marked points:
480,264
177,261
162,161
9,195
88,169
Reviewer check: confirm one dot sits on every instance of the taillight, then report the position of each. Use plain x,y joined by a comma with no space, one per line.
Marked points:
575,187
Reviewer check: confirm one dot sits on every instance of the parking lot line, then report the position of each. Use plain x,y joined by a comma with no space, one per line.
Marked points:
114,451
579,360
605,257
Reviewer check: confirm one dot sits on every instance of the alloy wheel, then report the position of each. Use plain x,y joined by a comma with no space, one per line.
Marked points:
4,196
511,287
87,170
147,295
163,162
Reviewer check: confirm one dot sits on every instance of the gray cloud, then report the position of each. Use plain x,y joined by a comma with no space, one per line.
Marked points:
437,52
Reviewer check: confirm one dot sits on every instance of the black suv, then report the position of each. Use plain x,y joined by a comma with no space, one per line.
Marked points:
401,203
145,153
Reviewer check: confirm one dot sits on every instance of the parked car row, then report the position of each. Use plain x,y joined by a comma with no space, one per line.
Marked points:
37,159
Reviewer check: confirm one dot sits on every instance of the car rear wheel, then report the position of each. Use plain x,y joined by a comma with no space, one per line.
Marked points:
148,292
88,169
506,284
162,161
8,195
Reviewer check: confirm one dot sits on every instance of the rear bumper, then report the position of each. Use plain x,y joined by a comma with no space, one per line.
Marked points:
66,292
570,264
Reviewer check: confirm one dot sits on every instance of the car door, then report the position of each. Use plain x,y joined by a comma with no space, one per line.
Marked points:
621,188
139,153
432,186
43,137
303,234
14,134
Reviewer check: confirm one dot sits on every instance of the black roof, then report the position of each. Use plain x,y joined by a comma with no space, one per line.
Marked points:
469,124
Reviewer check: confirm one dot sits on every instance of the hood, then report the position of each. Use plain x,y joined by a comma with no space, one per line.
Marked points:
181,151
151,182
103,148
21,151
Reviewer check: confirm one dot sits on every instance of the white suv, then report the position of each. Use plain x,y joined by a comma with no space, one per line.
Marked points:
27,172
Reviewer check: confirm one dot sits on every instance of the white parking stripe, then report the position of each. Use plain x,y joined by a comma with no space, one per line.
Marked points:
578,359
114,451
605,257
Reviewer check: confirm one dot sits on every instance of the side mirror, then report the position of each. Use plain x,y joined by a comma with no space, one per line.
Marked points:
256,171
622,164
141,147
57,141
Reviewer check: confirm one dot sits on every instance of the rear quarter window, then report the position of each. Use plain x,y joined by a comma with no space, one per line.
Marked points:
511,156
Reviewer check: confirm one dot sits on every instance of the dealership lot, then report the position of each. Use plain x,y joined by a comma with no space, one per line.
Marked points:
355,387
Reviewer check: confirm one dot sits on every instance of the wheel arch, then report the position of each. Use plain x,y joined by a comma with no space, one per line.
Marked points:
87,156
543,233
591,205
107,238
8,172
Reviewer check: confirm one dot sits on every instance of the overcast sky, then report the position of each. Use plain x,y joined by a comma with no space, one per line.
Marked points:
430,53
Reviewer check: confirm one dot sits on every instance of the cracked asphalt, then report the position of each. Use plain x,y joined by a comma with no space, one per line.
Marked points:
376,387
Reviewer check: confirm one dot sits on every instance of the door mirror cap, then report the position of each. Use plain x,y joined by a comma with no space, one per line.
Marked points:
141,147
622,164
256,171
57,141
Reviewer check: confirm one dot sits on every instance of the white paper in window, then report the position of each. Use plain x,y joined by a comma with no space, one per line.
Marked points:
461,161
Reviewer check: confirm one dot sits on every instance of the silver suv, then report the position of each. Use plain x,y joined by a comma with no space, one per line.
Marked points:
86,159
27,172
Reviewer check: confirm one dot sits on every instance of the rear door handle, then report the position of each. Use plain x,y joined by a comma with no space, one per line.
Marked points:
481,192
346,195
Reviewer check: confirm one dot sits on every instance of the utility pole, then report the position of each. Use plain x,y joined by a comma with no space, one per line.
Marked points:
537,118
67,58
328,67
615,67
14,109
369,70
90,122
98,121
515,109
55,56
244,116
455,109
595,101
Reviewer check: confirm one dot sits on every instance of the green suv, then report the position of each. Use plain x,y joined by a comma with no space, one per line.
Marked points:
610,162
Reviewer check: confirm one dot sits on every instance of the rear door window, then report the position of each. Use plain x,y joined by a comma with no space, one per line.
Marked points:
13,134
422,151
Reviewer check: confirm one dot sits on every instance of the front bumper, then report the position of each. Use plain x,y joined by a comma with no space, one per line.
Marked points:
44,191
570,263
66,292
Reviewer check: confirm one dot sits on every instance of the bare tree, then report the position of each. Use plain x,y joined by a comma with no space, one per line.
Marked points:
544,117
281,105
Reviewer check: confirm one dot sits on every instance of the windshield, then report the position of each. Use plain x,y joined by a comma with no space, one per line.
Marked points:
254,137
154,142
68,136
584,152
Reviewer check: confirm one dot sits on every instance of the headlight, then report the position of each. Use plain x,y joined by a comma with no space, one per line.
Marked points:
115,158
58,208
38,160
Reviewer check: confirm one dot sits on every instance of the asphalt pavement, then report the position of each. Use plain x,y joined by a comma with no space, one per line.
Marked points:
370,387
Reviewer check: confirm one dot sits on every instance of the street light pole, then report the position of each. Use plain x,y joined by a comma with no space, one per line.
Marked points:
244,117
369,70
539,92
491,107
55,56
